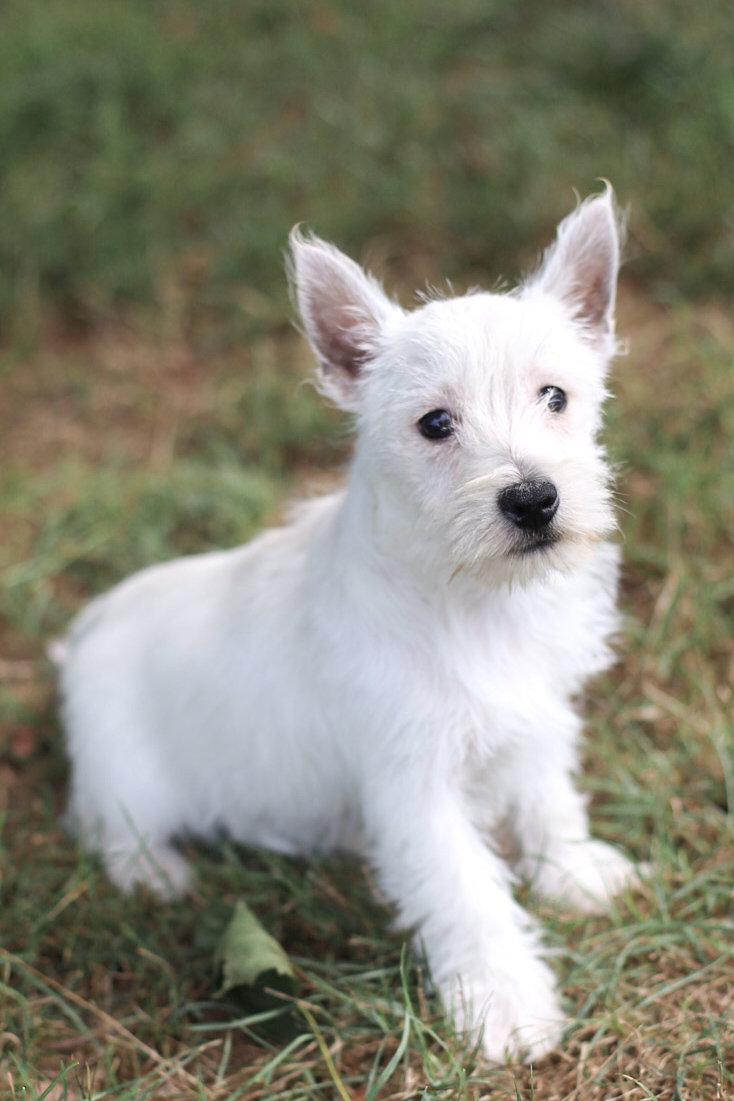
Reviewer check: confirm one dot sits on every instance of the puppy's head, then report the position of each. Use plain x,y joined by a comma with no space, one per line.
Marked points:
477,416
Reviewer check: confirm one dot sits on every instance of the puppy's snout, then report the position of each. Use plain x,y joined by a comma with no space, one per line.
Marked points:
529,505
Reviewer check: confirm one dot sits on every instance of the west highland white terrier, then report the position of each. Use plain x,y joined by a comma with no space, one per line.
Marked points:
394,670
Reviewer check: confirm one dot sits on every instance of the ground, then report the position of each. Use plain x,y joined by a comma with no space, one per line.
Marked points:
154,159
126,444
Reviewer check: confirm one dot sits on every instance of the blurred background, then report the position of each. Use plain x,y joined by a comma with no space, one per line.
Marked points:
147,143
154,155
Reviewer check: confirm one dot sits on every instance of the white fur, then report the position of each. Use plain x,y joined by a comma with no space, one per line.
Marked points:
387,672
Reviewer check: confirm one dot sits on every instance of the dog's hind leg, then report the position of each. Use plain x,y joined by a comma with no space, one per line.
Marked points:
130,816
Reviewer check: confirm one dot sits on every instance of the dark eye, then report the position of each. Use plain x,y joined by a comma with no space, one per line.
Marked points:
556,399
436,425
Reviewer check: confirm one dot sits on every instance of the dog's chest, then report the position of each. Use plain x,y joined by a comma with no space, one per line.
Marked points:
493,681
509,663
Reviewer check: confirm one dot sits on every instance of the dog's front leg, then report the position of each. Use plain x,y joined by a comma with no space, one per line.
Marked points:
482,950
559,858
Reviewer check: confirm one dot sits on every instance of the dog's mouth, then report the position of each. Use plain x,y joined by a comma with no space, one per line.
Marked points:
535,542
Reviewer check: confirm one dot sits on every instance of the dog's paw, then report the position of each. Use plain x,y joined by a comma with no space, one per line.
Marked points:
165,871
516,1014
587,875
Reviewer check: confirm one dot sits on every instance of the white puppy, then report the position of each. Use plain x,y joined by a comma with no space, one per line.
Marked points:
393,670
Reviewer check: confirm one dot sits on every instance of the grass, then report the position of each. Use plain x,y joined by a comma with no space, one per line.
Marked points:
123,988
141,141
154,158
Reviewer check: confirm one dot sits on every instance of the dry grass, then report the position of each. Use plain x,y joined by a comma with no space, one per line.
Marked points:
122,447
158,155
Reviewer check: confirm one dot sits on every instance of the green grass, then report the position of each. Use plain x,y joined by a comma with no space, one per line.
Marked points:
124,988
143,142
152,161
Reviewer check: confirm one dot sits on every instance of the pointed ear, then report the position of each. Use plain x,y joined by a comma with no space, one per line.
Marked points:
581,266
344,310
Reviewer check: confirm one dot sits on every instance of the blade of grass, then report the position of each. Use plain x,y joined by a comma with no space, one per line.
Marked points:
341,1088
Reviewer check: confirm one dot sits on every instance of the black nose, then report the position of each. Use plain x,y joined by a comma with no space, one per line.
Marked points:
530,505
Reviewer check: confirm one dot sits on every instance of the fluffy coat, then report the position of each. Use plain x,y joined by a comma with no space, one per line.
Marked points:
394,670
